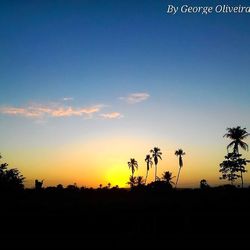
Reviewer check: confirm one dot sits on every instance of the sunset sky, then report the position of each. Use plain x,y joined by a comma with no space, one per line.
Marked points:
87,85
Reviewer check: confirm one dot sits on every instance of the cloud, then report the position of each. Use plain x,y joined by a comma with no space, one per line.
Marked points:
135,97
52,110
68,99
112,115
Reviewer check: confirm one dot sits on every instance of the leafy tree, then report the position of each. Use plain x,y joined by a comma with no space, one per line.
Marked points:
133,164
149,162
179,153
231,166
156,153
237,135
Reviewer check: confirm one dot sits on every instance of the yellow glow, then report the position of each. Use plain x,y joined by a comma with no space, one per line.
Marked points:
117,176
104,160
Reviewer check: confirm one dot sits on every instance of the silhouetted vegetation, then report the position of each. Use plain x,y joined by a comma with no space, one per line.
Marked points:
133,165
179,153
149,162
233,166
204,184
10,179
237,135
156,153
153,210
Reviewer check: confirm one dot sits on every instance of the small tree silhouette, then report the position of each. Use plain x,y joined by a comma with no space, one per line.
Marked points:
136,181
167,178
132,181
204,184
230,167
139,181
38,184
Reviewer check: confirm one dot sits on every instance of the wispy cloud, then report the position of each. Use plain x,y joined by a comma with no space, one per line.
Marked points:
68,99
52,110
112,115
135,97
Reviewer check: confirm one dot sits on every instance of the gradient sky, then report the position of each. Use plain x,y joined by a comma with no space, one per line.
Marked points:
87,85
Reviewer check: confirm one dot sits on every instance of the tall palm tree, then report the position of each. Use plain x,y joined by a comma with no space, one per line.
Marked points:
156,153
149,162
133,164
237,135
179,153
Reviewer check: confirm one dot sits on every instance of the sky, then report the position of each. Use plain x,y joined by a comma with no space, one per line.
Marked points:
87,85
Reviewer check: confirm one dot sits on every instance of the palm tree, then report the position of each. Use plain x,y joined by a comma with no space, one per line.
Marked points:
237,135
139,181
156,153
132,181
149,162
179,153
133,164
167,178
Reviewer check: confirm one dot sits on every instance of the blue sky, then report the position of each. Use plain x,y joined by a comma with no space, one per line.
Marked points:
193,71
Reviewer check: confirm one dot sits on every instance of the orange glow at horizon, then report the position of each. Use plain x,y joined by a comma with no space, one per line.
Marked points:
104,160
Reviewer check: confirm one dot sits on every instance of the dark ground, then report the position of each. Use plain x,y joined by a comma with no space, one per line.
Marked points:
212,218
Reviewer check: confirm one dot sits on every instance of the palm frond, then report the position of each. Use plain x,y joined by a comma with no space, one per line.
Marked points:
243,145
231,144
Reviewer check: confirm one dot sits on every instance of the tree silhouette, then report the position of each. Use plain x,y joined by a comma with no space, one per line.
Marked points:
204,184
230,167
237,135
133,164
156,153
38,184
167,178
132,181
10,179
149,162
179,153
139,181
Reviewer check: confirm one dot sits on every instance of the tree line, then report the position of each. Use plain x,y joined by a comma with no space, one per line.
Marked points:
233,167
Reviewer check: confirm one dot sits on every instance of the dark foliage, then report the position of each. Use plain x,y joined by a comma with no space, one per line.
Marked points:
10,179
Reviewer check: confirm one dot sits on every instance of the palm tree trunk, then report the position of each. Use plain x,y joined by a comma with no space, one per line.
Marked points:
155,171
178,177
146,177
241,176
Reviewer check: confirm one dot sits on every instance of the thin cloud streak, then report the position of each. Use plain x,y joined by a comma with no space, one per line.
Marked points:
135,97
112,115
40,111
68,99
